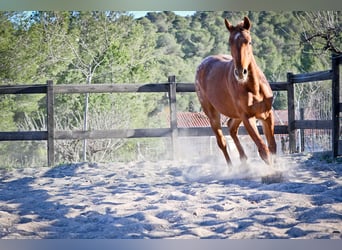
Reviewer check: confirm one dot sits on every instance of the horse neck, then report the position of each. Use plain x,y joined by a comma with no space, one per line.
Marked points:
255,76
253,67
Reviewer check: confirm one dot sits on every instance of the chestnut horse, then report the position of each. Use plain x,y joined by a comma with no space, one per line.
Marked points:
236,87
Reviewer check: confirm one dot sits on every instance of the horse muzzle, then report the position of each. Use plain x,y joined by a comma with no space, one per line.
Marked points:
241,75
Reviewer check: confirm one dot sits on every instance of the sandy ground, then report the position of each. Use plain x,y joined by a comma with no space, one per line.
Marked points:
174,199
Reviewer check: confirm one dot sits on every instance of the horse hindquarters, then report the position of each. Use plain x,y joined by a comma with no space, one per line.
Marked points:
215,123
214,119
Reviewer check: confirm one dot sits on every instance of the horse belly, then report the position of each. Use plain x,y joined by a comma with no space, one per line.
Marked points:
223,102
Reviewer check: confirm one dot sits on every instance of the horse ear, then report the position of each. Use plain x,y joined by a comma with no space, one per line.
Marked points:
228,24
246,23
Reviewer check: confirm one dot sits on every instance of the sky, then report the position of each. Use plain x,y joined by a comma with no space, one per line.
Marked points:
138,14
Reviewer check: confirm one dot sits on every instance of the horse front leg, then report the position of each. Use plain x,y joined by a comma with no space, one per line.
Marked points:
250,125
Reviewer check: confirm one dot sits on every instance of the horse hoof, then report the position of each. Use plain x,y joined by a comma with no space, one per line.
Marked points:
276,177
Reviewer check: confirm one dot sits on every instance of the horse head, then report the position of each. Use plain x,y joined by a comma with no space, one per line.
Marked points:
240,43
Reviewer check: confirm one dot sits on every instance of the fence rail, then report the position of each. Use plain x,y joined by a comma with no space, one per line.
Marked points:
313,76
171,87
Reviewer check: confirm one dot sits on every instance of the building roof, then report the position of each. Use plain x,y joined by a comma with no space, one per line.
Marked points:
280,117
194,119
199,119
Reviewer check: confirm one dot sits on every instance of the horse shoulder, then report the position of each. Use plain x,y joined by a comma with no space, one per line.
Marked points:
256,101
264,86
265,90
264,105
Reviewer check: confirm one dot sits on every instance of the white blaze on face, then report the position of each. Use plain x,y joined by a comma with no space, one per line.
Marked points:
237,35
236,73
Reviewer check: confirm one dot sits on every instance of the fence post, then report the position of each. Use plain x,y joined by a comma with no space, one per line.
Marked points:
335,104
302,139
50,124
173,115
291,113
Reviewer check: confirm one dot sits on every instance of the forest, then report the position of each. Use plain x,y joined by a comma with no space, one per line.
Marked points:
113,47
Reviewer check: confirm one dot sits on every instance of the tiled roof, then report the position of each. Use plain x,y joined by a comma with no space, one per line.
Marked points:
280,117
190,119
199,119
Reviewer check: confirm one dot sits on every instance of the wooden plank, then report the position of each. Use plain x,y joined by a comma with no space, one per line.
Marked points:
50,102
190,87
207,131
24,136
173,114
312,77
136,88
280,129
291,113
23,89
112,134
336,106
302,137
279,86
110,88
118,133
313,124
185,87
144,133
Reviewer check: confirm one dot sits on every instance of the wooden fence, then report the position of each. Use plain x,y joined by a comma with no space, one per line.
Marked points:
334,122
172,88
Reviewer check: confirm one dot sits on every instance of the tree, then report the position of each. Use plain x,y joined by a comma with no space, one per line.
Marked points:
168,45
6,41
322,30
104,46
6,102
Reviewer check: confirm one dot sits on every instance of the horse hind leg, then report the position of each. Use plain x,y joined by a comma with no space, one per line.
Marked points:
233,126
221,141
215,123
268,128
